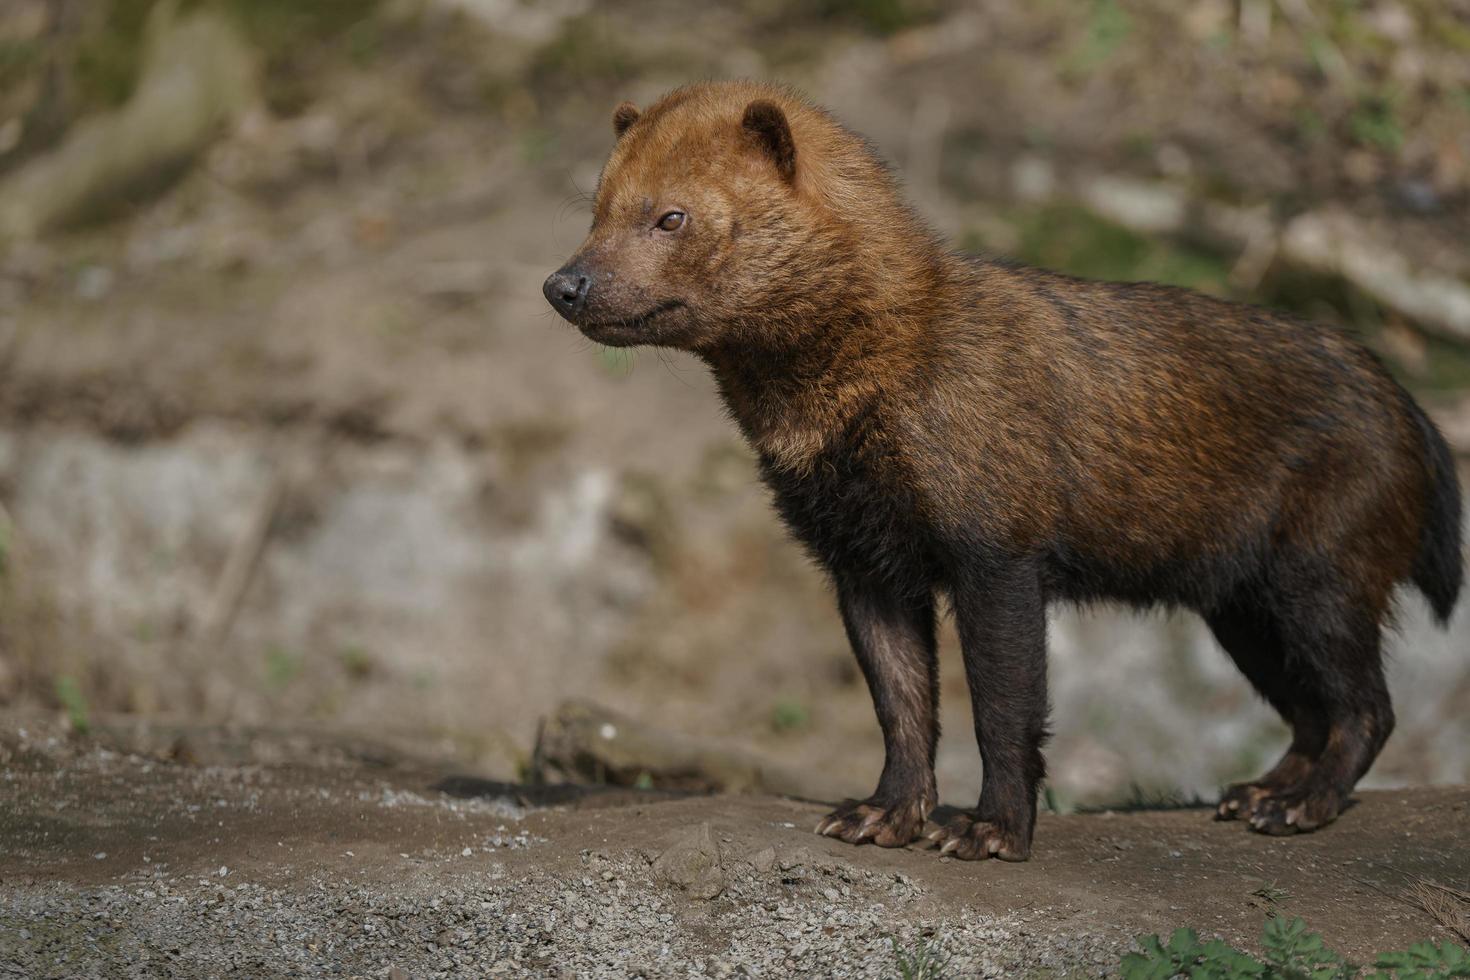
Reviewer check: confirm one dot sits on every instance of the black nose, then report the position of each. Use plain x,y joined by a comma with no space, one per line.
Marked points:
566,289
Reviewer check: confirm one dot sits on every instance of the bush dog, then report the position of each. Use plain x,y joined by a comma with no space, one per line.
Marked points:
933,424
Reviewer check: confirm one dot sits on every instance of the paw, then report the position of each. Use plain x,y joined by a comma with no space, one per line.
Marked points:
862,822
1278,812
1295,811
1239,801
974,840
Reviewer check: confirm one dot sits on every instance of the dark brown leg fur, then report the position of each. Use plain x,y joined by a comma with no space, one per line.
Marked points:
1001,615
895,646
1317,660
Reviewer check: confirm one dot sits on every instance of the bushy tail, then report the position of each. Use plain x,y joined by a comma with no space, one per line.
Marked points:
1438,568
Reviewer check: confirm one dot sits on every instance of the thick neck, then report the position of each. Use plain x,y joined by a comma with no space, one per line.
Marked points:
793,388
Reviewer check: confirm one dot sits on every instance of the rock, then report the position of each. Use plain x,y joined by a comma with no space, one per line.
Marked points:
802,856
586,742
692,863
1333,242
763,860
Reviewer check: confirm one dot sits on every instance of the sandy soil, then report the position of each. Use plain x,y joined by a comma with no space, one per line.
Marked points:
268,853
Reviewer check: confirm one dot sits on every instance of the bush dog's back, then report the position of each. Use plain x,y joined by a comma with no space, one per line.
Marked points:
935,423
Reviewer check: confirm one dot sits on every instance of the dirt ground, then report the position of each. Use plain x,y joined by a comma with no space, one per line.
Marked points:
155,851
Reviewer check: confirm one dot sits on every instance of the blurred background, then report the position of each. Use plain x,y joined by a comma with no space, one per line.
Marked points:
288,436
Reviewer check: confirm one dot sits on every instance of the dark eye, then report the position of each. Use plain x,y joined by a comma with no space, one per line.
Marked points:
671,221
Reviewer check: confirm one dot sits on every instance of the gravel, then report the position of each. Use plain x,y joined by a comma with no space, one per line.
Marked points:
804,916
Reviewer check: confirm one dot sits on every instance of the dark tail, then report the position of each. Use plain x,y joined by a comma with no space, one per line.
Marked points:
1438,567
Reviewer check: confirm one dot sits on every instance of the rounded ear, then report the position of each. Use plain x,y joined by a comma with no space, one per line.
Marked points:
625,115
767,123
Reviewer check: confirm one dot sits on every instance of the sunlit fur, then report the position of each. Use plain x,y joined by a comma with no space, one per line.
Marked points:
932,423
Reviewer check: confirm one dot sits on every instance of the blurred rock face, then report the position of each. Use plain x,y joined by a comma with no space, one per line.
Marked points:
401,587
197,73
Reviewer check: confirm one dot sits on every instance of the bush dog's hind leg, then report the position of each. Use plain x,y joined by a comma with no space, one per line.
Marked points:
1332,640
1323,634
894,641
1252,638
1001,614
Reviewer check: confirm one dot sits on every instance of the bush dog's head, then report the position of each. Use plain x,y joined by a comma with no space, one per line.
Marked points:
732,213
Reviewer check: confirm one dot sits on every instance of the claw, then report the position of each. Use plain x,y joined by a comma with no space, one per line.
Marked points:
870,825
952,844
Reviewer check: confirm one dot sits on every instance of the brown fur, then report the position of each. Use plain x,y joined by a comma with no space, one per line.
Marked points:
932,423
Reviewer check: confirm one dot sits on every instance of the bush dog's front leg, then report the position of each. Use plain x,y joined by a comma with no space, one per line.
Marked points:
1001,614
893,639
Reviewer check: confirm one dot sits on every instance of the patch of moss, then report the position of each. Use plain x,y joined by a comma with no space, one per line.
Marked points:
109,53
1446,367
1072,239
1108,27
18,58
1318,297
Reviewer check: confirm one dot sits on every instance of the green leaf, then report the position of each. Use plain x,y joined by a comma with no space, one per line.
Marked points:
1152,948
1394,960
1136,966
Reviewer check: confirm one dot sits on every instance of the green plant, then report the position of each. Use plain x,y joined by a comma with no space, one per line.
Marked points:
788,715
1289,952
1293,952
1376,121
69,693
1424,961
1108,27
281,667
920,961
356,661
